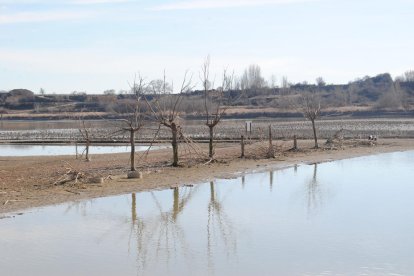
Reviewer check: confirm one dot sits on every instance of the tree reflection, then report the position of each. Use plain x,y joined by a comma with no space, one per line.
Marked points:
81,207
314,192
133,208
157,238
218,223
160,236
271,180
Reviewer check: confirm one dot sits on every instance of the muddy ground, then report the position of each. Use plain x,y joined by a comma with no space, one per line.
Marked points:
27,182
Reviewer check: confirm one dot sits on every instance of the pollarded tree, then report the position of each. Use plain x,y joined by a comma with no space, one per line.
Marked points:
85,134
310,105
165,107
213,105
134,119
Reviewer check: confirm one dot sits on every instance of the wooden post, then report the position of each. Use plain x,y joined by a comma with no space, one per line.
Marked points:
295,142
242,147
76,149
270,153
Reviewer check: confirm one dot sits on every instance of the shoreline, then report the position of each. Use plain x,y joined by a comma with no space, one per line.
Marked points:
26,182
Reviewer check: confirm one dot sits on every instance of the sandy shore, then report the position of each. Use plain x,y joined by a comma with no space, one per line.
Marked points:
27,182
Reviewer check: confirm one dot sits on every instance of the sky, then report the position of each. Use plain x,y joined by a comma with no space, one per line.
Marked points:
95,45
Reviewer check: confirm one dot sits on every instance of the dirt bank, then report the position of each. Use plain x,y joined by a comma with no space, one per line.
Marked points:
35,181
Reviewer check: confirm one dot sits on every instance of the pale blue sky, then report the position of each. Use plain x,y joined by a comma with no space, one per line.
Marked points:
94,45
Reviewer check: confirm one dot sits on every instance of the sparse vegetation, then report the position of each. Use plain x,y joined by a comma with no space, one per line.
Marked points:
368,95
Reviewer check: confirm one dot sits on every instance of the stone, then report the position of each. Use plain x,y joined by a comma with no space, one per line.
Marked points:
97,180
134,174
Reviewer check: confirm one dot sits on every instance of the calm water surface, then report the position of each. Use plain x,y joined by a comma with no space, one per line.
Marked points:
44,150
351,217
48,124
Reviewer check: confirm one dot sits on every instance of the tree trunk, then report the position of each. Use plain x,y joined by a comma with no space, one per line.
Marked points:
87,149
314,134
132,142
174,144
210,142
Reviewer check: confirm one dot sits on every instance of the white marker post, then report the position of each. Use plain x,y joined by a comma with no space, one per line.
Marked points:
249,128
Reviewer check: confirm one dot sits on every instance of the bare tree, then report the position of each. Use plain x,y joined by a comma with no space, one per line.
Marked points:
165,105
350,93
284,86
310,105
252,78
320,81
272,82
409,76
393,98
85,134
398,93
109,92
134,120
213,105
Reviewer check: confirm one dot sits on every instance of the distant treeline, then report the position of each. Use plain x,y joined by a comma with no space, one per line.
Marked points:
378,95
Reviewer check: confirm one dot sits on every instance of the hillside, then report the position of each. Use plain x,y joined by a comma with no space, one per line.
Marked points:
369,96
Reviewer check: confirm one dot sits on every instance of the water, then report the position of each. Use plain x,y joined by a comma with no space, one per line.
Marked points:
50,124
351,217
47,150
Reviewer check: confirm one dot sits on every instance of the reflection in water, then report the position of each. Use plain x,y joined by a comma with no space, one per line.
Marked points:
81,207
224,228
47,150
49,125
271,180
160,237
314,193
133,208
138,231
219,227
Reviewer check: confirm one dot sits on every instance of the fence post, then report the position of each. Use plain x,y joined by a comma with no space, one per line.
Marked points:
242,146
271,152
295,142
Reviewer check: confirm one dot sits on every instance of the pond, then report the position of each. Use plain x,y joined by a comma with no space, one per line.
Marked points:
350,217
47,150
